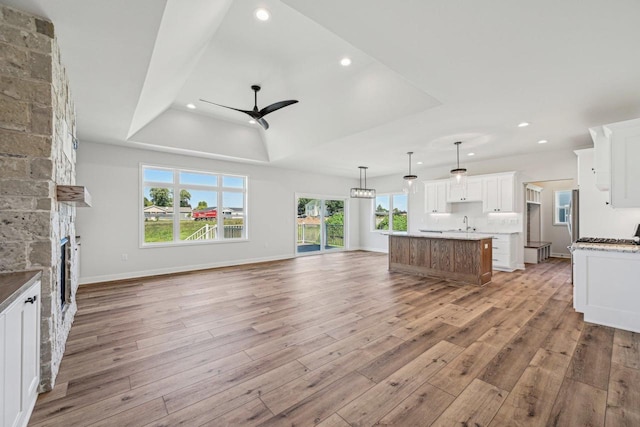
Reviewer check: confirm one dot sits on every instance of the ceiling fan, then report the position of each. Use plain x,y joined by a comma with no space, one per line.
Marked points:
258,115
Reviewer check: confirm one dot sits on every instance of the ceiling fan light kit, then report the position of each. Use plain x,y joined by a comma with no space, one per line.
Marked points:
255,114
458,175
363,192
410,186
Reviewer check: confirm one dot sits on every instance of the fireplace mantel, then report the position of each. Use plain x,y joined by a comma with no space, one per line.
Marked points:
77,194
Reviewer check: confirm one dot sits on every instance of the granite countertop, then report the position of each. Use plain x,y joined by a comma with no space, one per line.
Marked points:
605,247
446,236
12,284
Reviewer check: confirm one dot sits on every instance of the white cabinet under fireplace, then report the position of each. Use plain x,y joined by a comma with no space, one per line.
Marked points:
20,357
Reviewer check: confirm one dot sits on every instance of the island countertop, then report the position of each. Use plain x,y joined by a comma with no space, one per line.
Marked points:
445,236
12,284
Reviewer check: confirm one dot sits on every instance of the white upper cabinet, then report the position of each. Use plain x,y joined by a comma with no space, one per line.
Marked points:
625,157
469,192
498,193
435,196
602,164
615,164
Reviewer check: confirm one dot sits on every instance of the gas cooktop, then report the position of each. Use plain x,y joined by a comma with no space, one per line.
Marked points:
606,241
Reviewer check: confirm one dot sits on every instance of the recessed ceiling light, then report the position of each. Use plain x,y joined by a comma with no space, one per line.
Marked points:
471,154
419,163
523,124
253,122
262,14
191,106
542,141
345,62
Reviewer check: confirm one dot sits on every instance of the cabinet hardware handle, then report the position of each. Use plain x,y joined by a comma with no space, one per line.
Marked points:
31,300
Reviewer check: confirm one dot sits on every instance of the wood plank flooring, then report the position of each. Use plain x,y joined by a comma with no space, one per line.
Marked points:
337,340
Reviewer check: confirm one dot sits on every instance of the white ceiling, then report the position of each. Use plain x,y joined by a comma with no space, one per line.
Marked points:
424,75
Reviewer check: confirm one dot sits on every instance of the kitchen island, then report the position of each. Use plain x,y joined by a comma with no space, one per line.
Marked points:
466,258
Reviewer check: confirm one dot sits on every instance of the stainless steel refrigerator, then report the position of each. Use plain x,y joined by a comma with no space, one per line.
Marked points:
573,221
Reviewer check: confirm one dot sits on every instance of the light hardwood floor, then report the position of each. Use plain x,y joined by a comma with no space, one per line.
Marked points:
337,340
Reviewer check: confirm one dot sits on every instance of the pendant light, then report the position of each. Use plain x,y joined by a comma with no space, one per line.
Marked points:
410,185
363,192
458,175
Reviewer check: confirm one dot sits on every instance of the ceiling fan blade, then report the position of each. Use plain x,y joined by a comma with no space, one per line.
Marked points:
276,106
263,123
249,112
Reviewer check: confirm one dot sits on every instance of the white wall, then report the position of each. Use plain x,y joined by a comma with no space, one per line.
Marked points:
597,218
110,228
554,165
558,235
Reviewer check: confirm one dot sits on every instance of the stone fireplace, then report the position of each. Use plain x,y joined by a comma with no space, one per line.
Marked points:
37,134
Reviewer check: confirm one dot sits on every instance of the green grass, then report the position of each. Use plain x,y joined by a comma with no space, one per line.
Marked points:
162,231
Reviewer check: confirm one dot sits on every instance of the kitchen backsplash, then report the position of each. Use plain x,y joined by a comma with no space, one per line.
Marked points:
499,222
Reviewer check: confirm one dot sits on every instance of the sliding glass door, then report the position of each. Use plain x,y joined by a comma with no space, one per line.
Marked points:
320,225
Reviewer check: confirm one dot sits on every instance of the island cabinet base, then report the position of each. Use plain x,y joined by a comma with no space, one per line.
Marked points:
459,260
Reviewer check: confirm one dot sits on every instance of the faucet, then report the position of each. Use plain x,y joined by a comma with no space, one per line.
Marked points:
465,221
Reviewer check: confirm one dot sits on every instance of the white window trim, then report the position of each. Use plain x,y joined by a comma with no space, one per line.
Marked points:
372,221
175,185
556,207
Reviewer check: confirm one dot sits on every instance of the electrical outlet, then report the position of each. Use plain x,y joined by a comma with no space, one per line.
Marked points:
125,257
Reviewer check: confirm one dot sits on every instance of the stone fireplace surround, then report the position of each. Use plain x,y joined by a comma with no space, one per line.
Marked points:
37,125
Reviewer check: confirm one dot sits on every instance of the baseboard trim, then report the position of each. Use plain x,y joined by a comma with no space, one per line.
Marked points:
182,269
382,251
560,255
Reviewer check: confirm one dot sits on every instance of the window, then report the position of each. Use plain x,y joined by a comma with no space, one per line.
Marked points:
180,206
390,212
561,203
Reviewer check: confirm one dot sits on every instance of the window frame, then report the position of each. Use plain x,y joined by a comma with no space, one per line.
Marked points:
390,196
175,186
557,207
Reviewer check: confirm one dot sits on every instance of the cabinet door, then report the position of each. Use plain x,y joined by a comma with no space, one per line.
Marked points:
498,193
474,190
505,192
30,343
2,365
455,192
625,173
430,197
441,199
435,197
490,194
12,364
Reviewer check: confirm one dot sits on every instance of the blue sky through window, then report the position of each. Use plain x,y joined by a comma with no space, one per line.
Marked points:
158,175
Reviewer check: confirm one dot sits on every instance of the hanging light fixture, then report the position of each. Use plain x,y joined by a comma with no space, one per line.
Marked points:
363,192
458,175
410,179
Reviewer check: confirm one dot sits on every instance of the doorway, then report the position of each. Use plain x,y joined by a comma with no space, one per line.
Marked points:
320,225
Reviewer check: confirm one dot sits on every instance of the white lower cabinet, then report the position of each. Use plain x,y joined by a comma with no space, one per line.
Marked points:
20,358
605,287
504,252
